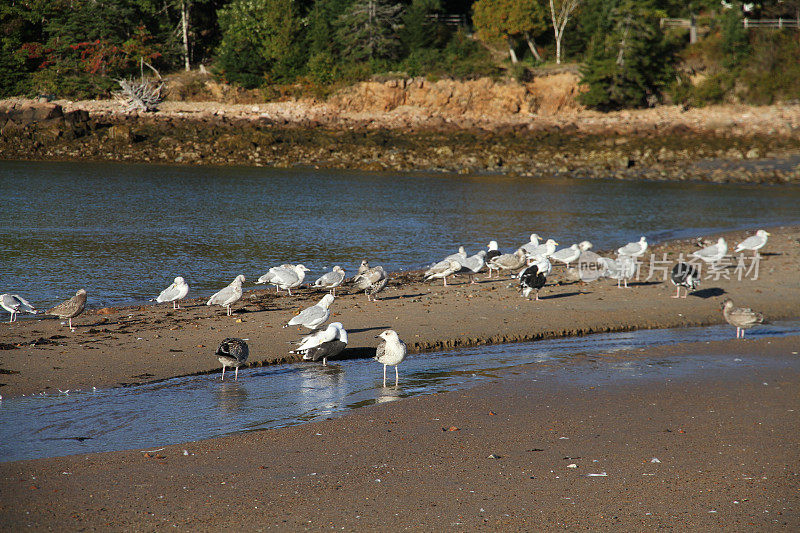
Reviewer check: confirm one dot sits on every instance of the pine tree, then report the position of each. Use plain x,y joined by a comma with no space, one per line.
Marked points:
368,30
631,65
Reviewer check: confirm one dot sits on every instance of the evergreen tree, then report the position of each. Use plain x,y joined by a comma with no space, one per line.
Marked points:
632,64
418,30
368,30
735,42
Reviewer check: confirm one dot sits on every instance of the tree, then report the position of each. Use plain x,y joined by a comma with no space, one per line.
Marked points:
507,20
560,12
368,30
735,40
258,41
632,64
418,30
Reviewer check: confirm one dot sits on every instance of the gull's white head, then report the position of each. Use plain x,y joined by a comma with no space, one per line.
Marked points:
179,281
337,268
389,334
302,268
239,278
326,301
492,245
762,233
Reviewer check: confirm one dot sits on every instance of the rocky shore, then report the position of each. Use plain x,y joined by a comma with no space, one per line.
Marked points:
411,126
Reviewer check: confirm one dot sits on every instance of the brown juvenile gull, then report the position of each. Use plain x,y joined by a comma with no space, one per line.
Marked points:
371,281
174,293
314,316
232,352
229,295
331,280
15,304
509,262
741,317
323,344
754,242
390,352
71,308
442,269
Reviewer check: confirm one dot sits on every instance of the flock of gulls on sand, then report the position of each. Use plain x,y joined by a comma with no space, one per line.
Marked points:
532,261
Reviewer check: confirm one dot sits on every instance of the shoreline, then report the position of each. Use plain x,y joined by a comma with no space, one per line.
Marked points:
710,449
742,144
141,344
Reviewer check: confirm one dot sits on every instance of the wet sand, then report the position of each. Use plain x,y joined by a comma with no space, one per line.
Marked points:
122,346
494,457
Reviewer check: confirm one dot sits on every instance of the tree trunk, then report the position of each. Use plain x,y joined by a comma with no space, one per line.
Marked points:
512,53
532,46
558,49
185,32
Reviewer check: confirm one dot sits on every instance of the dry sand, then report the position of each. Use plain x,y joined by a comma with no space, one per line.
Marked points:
140,344
494,457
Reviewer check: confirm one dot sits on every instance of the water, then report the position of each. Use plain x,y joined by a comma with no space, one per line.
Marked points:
197,407
124,231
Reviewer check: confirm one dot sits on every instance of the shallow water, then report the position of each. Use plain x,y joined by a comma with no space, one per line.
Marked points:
197,407
123,231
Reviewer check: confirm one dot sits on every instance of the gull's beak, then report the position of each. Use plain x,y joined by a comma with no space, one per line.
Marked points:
768,233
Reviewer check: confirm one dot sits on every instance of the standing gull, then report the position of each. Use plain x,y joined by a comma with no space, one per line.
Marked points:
621,270
532,280
70,308
323,344
754,242
510,262
712,254
174,293
284,277
15,304
634,249
533,243
458,256
684,275
567,255
442,269
741,317
232,352
229,295
545,249
473,264
371,281
314,316
491,254
390,352
331,280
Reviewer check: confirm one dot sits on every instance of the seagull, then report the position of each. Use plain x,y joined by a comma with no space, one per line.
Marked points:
390,352
442,269
585,246
491,254
621,270
542,263
754,242
15,304
685,275
174,293
232,352
547,249
534,242
284,277
712,254
70,308
371,281
741,317
512,262
363,267
331,280
473,264
567,255
314,316
323,344
634,249
229,295
459,256
532,280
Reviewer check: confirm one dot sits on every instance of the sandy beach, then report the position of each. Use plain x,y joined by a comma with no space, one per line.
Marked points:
542,447
122,346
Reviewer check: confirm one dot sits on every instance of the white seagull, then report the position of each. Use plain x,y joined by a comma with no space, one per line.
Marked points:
331,280
14,304
545,249
634,249
567,255
314,316
390,352
323,344
174,293
473,264
534,242
442,269
621,270
458,256
754,242
284,277
229,295
712,254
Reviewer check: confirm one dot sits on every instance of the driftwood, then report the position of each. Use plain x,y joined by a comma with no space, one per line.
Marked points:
144,94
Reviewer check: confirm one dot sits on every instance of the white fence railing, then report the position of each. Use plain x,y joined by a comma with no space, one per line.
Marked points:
779,23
